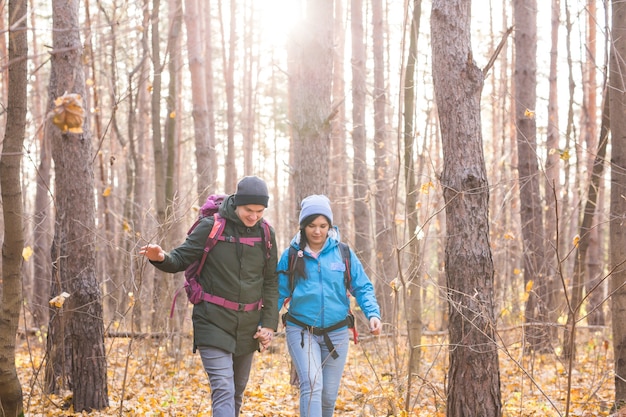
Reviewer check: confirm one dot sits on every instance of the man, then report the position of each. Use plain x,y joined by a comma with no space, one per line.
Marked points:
227,334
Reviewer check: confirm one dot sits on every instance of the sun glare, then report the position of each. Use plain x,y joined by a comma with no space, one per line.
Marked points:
277,18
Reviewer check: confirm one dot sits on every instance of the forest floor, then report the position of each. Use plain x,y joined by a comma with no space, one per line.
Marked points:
146,379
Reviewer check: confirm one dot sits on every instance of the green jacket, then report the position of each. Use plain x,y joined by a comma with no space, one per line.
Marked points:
236,272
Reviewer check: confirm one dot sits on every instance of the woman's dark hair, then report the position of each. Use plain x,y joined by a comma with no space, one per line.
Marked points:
299,270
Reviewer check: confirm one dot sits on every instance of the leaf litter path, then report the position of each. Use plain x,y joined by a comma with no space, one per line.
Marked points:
146,379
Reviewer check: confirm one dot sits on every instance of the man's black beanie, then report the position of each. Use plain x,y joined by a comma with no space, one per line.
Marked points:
251,190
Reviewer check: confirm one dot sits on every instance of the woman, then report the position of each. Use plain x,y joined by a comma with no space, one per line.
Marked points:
227,337
318,318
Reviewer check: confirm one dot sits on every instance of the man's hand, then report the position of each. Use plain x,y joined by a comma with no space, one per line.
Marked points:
264,335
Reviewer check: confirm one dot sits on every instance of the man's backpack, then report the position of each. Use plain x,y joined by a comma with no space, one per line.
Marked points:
193,289
347,279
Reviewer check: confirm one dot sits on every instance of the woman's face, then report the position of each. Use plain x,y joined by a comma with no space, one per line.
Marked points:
317,231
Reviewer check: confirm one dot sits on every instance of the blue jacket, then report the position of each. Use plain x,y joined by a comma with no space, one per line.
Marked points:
321,299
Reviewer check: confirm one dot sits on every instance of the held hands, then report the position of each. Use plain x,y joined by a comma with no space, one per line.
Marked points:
375,326
265,336
152,252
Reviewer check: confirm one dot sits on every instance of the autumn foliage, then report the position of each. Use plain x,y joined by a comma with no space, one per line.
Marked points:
163,378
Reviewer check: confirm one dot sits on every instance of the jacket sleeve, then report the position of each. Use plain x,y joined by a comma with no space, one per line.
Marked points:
362,288
269,317
190,250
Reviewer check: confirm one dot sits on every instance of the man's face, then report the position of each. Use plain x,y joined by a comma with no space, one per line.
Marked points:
250,214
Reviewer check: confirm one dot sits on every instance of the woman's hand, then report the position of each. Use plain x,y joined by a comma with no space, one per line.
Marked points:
152,252
375,326
264,336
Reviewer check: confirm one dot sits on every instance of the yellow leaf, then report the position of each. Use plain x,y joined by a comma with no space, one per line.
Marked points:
576,240
425,188
529,285
509,236
27,252
565,155
68,113
125,226
107,192
173,115
530,114
517,271
59,300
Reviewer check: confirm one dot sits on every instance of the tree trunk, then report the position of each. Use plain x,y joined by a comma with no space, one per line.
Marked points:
78,333
42,227
617,98
553,176
211,175
338,169
582,249
310,104
230,181
531,213
413,302
11,397
386,263
360,181
593,284
474,376
200,112
160,289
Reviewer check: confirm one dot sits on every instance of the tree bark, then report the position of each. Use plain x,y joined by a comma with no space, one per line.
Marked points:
11,397
617,249
338,169
360,181
230,181
413,285
310,102
531,213
78,333
583,246
552,176
160,289
386,264
474,376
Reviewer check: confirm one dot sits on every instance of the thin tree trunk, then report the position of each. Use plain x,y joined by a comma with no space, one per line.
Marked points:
386,266
617,99
360,181
594,254
160,289
553,175
582,249
531,213
11,397
413,303
230,181
338,169
42,227
211,176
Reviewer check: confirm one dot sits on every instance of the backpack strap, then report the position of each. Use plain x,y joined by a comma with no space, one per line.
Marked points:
347,277
267,236
345,254
219,224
